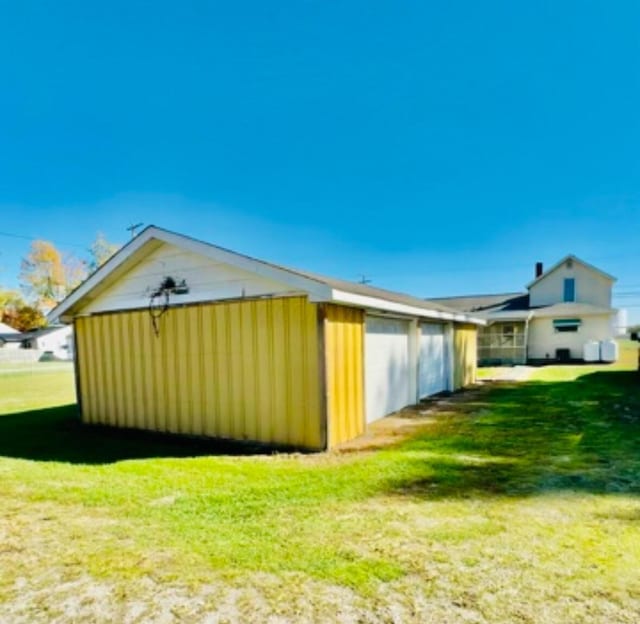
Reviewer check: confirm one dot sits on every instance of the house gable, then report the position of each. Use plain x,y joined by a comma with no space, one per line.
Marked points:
154,251
570,277
205,278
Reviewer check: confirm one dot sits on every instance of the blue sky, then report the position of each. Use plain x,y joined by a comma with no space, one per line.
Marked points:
437,148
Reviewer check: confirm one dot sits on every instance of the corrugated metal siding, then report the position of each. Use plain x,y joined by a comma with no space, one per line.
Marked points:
344,351
465,355
245,370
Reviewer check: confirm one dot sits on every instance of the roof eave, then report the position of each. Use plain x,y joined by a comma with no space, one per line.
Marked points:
316,290
549,313
363,301
509,318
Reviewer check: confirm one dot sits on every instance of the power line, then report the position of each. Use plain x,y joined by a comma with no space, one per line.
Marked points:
32,238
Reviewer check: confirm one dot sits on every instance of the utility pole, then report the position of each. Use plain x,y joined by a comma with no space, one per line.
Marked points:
132,228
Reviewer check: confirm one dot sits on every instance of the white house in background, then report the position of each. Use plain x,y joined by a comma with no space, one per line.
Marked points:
56,340
563,308
10,338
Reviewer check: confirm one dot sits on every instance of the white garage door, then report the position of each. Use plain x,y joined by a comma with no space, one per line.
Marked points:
432,369
386,366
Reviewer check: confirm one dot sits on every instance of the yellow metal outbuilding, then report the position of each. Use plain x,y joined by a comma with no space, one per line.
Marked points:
163,344
241,370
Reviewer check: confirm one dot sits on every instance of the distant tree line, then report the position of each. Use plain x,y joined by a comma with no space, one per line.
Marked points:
47,276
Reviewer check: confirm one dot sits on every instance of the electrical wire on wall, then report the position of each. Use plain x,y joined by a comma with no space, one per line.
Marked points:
157,309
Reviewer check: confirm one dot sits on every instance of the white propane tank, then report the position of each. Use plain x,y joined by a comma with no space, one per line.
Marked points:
608,350
591,351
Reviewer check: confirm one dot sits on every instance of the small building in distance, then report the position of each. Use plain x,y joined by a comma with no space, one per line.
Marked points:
53,342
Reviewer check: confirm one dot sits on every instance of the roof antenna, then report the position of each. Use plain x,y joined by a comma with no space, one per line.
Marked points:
132,228
363,280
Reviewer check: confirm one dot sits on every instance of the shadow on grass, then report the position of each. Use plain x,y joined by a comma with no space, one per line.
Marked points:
56,434
530,438
505,440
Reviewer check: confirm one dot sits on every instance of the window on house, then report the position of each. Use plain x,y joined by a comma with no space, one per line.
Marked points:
566,325
569,289
507,335
567,328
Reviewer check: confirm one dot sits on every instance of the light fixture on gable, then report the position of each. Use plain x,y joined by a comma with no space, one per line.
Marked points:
169,286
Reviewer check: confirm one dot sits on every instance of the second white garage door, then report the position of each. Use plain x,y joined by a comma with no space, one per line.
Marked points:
387,371
432,365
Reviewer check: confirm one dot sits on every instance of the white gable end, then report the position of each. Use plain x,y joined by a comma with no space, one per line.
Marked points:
206,279
590,286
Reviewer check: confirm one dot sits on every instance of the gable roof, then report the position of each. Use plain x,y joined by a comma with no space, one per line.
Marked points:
486,303
558,264
16,336
504,307
515,306
7,329
12,337
318,287
45,331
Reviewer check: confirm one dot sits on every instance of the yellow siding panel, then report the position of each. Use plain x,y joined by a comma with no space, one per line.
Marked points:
93,387
139,415
126,374
243,370
263,381
465,355
344,334
110,410
297,361
153,358
279,363
83,378
210,398
173,344
250,414
199,405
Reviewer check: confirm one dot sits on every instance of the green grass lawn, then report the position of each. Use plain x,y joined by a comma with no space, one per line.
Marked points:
519,504
27,386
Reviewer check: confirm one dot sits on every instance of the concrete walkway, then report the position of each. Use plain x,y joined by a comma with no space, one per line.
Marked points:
511,373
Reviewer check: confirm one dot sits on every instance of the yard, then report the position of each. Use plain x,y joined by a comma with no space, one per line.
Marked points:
509,503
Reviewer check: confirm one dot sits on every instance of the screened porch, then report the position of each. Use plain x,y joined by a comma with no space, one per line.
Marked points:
502,343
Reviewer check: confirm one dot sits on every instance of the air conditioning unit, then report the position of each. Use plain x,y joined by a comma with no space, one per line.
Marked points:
608,350
591,351
563,355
